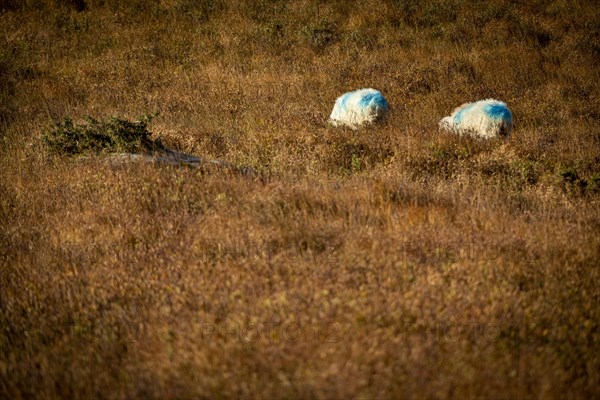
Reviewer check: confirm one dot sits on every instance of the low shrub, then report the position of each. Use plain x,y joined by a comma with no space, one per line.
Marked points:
115,135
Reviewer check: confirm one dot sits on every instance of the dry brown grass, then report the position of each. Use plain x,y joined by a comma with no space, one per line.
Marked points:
391,262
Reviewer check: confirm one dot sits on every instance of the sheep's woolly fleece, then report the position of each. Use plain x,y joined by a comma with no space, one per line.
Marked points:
484,119
358,108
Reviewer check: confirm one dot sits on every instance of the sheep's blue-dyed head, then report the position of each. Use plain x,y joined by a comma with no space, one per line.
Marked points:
498,111
373,99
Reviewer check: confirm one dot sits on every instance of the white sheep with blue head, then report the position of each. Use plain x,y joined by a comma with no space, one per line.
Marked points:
484,119
358,108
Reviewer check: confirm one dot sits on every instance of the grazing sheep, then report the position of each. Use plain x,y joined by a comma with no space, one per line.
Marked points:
358,108
484,119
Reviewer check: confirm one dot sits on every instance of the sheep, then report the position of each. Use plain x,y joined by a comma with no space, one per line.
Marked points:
484,119
358,108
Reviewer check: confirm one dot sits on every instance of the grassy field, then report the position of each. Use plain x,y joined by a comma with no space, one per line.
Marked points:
390,262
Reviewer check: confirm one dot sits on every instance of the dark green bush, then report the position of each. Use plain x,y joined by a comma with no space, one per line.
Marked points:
115,135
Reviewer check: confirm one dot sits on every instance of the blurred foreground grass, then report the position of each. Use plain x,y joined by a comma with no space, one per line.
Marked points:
394,261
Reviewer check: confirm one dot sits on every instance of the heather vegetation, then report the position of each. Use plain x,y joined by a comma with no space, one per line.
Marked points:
113,136
392,261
